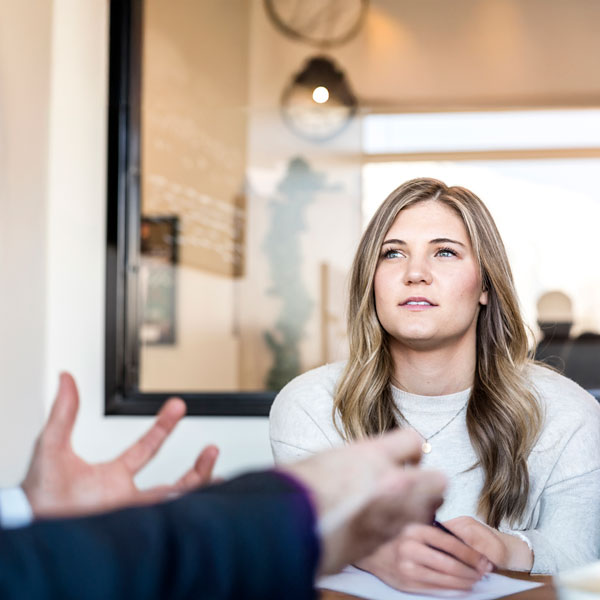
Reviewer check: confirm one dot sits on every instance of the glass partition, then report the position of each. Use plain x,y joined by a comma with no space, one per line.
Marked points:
237,196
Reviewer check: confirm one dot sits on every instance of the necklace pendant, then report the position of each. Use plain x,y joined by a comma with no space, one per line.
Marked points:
426,447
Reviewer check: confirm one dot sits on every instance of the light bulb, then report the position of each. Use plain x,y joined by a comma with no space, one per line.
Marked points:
320,95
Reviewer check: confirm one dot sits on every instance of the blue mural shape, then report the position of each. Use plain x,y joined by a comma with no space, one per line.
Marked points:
295,193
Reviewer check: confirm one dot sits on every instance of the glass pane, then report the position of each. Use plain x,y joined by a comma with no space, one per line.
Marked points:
247,227
254,192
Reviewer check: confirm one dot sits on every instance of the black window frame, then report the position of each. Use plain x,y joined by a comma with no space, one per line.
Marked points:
122,345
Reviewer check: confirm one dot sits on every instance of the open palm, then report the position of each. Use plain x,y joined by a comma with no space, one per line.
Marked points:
60,483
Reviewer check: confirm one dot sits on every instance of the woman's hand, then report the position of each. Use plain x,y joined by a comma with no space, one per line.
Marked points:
424,557
504,550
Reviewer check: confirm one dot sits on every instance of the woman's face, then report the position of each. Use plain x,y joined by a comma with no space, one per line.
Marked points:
427,283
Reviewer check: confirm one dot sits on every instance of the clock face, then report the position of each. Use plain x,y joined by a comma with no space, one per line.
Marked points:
323,23
311,119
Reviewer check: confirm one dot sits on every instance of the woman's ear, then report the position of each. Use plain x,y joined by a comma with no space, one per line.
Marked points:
483,299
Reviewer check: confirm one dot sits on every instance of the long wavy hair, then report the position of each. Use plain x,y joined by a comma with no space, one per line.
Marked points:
503,415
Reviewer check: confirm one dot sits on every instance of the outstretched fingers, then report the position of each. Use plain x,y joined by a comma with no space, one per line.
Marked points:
201,472
59,426
138,455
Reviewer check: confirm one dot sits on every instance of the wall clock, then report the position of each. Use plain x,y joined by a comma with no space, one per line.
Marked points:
323,23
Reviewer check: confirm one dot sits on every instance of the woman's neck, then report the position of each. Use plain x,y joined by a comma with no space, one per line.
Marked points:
438,372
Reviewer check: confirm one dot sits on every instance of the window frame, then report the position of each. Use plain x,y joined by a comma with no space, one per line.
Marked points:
122,346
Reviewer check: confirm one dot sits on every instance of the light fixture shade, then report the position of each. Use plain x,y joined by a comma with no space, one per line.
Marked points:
313,120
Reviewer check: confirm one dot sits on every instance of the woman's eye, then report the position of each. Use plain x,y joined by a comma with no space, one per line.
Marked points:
445,252
392,254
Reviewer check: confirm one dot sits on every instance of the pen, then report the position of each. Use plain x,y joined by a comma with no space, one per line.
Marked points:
437,524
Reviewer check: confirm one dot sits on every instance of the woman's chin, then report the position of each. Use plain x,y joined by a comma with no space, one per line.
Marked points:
418,340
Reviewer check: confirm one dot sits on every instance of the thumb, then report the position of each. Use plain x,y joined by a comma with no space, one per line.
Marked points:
402,446
62,417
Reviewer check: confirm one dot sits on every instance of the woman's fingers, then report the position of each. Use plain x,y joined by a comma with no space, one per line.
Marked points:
443,563
504,550
456,548
420,577
424,557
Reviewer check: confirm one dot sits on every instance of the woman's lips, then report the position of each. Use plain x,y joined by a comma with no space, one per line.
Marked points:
418,302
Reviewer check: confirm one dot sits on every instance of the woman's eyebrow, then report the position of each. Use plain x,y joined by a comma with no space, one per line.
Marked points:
394,241
446,241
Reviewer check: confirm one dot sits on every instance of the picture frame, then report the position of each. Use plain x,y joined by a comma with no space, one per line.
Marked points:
158,277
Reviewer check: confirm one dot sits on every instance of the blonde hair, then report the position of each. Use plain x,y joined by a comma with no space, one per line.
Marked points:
503,415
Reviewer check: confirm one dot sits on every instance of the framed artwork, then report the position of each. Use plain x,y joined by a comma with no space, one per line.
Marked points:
157,279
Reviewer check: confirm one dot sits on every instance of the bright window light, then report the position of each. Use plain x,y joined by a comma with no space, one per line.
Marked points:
481,131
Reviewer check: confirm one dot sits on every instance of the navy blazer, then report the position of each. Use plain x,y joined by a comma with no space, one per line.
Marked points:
251,537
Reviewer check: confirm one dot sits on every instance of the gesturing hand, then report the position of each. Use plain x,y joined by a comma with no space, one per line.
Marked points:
60,483
365,493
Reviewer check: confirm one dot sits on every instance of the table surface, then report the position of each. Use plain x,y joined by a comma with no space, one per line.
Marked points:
544,592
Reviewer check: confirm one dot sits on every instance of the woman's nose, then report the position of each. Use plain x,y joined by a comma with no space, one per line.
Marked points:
417,271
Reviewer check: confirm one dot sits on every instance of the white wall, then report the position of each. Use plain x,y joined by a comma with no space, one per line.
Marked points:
24,84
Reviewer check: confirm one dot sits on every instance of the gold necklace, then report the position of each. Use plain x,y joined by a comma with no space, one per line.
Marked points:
426,446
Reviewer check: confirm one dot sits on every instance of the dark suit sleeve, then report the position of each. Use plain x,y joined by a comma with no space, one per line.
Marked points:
252,537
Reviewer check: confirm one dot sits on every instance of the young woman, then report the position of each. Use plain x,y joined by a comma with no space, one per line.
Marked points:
438,345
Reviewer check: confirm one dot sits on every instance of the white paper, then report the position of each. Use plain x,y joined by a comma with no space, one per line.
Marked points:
364,585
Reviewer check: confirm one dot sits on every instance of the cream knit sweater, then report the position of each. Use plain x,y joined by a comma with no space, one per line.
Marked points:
562,518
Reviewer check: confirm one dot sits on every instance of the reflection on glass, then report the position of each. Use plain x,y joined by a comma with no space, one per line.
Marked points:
248,229
266,220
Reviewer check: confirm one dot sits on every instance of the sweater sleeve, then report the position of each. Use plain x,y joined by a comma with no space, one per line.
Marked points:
252,537
567,532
